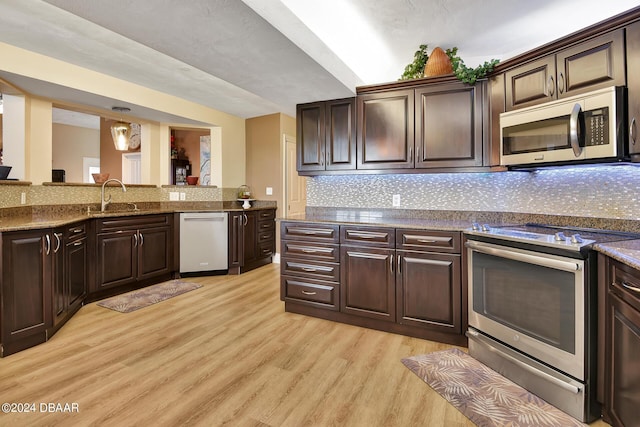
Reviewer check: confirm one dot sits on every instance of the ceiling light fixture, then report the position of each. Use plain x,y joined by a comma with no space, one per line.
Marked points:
121,131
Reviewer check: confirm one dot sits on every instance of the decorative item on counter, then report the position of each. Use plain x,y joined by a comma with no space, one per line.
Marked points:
100,178
192,180
244,195
438,64
4,171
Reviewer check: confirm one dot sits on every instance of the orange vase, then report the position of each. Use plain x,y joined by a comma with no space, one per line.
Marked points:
438,64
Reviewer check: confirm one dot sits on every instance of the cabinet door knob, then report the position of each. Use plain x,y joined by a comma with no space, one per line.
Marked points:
135,240
551,86
561,83
141,238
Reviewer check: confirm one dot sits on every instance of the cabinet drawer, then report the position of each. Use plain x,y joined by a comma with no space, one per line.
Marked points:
77,231
626,284
310,291
266,249
267,236
132,222
429,240
312,269
267,215
381,237
266,226
310,231
314,251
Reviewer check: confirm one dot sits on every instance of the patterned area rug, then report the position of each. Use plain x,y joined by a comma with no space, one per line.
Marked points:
144,297
482,395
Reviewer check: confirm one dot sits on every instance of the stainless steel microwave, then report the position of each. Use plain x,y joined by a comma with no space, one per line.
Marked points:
585,128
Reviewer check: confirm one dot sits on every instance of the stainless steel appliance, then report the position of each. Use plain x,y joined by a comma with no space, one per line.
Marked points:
532,310
580,129
203,242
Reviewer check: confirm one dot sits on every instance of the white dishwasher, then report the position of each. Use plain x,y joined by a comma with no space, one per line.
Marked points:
203,242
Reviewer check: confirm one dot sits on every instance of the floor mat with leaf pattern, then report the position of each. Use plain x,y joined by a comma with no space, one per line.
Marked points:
483,395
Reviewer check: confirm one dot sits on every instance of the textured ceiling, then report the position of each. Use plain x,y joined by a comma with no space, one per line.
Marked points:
256,57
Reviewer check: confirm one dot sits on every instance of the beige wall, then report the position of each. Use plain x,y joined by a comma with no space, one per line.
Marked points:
265,153
70,145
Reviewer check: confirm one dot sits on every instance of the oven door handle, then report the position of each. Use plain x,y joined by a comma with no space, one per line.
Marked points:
569,387
528,258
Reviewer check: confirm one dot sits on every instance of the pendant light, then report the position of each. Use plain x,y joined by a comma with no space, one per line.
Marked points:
121,131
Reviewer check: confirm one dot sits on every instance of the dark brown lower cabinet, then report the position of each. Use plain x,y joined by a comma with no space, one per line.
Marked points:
26,289
428,290
404,281
622,347
368,285
70,272
252,239
131,250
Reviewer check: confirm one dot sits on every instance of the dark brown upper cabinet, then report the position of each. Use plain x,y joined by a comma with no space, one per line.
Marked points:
385,130
449,121
633,88
326,135
596,63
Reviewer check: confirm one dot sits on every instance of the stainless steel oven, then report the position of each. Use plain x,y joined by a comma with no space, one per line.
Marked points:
532,310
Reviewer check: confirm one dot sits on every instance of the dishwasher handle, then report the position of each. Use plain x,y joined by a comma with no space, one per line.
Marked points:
204,218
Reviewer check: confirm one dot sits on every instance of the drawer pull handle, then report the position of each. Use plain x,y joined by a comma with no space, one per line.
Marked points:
77,230
78,243
310,270
309,251
630,287
367,235
426,241
308,293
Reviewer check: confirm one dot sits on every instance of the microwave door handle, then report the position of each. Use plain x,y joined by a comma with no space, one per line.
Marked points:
575,134
522,257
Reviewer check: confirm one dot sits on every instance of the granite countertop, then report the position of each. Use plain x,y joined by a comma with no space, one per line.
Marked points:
626,251
27,219
384,221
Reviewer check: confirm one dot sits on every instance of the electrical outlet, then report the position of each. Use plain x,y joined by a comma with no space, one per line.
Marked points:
396,200
23,198
173,196
183,196
269,191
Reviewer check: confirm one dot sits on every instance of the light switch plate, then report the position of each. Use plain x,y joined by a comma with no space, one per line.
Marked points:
269,191
174,196
396,200
183,196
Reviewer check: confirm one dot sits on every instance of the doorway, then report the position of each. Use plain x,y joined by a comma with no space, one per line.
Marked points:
295,186
132,168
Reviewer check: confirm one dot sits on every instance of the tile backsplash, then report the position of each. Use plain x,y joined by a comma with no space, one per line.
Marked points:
592,191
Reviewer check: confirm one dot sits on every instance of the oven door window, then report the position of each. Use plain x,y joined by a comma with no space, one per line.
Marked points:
540,136
531,299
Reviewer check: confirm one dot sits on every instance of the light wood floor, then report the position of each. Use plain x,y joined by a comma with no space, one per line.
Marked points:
225,354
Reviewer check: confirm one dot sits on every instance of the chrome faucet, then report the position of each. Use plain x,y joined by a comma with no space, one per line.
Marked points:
104,201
